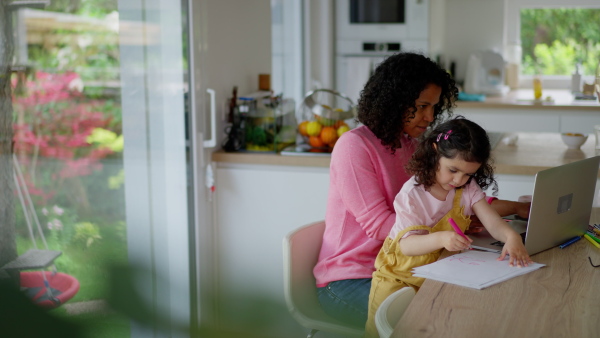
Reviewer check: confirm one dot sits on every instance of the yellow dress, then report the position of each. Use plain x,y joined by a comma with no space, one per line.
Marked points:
393,270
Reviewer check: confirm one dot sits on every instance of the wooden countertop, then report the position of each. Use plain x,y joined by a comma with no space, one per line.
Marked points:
533,152
523,98
270,159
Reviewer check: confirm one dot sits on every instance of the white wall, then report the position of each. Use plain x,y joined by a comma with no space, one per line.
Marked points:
322,41
237,49
472,25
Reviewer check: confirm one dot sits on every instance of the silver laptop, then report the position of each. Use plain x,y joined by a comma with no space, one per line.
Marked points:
561,206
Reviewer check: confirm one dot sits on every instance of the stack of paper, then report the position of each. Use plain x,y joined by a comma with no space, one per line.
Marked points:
473,269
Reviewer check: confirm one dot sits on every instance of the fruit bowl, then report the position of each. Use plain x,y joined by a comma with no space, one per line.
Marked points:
325,116
574,140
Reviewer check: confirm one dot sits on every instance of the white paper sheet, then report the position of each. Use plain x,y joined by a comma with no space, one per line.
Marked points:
473,269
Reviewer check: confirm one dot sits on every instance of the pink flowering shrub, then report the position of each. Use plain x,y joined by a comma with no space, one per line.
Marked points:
53,121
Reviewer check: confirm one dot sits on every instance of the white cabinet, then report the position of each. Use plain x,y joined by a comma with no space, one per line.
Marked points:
579,122
256,206
512,120
532,120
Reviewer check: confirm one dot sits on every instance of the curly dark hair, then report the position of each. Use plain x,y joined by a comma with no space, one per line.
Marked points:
388,98
455,137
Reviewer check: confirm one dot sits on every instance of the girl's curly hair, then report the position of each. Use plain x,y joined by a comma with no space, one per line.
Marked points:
388,98
457,137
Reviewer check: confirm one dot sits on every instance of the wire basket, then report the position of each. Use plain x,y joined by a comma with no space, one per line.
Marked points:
324,116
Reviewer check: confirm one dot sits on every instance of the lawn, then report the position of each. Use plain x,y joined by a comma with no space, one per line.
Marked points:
90,266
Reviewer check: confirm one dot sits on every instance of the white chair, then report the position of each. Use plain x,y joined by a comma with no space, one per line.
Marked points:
300,253
391,309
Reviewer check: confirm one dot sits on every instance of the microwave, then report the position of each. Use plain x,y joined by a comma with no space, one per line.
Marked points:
383,20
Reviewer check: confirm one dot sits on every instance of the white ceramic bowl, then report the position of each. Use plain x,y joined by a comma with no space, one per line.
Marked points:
574,140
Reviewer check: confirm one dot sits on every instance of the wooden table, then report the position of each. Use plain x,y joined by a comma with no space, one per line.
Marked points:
561,299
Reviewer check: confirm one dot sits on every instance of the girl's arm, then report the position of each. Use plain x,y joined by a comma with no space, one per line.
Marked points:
498,228
416,245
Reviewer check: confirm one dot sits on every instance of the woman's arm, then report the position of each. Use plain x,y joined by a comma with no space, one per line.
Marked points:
503,208
506,208
354,177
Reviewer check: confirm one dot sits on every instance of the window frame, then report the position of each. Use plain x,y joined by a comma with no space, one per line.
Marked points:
512,34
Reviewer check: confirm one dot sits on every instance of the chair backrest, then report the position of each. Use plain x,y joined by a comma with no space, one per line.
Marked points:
391,309
301,249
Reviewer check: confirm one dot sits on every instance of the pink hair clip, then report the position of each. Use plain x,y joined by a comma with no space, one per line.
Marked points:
445,136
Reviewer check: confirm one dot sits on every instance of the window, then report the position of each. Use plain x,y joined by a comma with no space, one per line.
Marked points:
555,36
553,40
86,76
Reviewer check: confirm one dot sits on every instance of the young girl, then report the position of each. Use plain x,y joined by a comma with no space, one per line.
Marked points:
450,169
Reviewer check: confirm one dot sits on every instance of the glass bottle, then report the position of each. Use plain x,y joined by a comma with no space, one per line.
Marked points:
537,87
514,54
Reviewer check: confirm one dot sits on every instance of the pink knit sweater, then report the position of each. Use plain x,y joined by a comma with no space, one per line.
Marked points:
364,180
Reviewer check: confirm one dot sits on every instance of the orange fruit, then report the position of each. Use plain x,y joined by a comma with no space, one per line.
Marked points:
313,128
302,128
339,123
331,145
315,141
329,135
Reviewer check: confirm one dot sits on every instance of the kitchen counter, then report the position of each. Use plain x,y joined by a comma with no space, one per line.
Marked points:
271,159
533,152
523,98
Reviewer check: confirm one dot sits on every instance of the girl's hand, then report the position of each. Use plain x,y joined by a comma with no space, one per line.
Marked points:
454,242
516,250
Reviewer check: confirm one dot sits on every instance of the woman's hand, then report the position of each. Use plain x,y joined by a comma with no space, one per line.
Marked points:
475,226
506,208
517,254
522,209
453,241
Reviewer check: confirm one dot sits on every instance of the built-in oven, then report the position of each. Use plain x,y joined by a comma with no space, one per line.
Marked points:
367,31
383,19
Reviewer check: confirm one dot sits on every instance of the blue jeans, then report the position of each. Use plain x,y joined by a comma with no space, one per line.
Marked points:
347,300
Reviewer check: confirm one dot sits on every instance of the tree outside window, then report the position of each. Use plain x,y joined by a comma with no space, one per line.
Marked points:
555,40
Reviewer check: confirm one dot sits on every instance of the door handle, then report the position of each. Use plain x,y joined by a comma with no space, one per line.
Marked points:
213,121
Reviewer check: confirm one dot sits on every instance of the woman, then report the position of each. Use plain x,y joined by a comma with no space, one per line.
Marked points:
406,94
